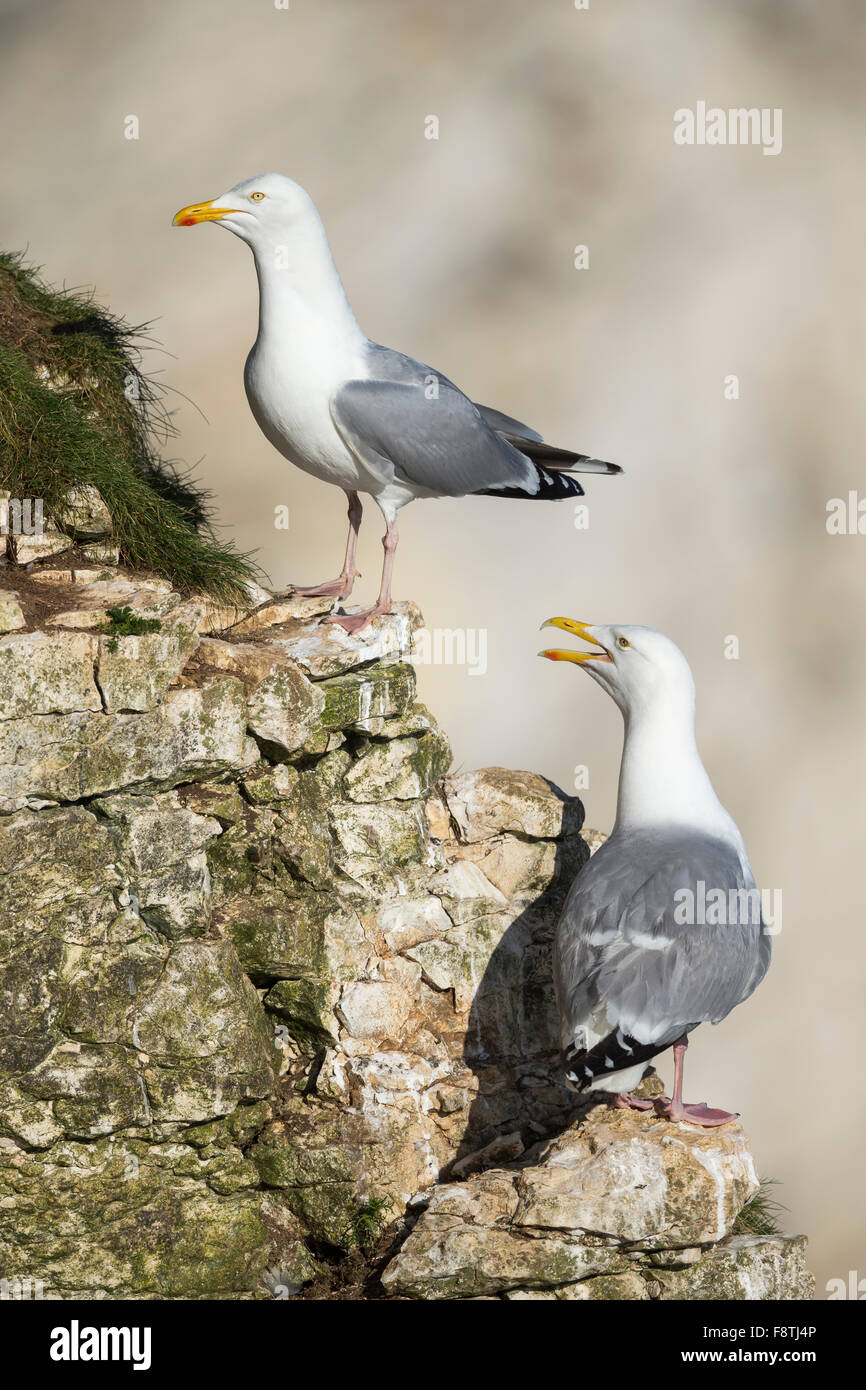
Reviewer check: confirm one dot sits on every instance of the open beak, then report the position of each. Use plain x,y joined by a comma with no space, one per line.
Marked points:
583,630
200,212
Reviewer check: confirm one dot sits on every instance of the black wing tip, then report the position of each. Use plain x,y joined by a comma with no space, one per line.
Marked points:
616,1052
553,486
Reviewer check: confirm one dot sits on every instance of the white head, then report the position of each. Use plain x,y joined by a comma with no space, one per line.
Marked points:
642,670
662,779
267,211
279,222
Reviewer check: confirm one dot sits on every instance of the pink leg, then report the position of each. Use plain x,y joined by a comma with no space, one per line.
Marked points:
676,1109
342,587
356,622
624,1101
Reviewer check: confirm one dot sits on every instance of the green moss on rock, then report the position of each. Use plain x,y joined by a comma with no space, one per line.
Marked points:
372,693
304,1006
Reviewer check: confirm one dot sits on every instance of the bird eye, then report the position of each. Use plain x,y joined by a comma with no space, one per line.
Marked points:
623,642
257,197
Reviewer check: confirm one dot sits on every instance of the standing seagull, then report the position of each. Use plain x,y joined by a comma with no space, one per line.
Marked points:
662,929
352,412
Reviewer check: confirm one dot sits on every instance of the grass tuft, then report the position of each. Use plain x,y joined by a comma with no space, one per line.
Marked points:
76,409
367,1223
761,1214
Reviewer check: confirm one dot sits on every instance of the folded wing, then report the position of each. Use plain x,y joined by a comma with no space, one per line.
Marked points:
661,931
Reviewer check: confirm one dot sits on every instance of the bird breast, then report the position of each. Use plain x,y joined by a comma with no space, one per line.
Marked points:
290,395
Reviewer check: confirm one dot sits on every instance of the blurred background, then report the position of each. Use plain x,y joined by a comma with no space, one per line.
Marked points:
555,130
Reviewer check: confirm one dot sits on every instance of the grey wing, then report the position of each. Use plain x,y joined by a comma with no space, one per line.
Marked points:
530,442
639,948
419,424
507,425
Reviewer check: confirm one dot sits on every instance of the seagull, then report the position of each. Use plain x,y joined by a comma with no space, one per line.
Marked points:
662,928
356,414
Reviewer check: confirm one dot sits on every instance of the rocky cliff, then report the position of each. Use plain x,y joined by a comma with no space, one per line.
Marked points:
277,1014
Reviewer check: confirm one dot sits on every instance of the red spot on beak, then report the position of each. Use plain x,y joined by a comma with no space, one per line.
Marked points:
188,222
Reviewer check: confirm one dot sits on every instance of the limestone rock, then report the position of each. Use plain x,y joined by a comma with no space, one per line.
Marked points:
284,707
500,1150
167,848
42,546
495,799
628,1286
769,1268
587,1200
402,769
100,588
94,1090
306,1010
269,785
593,839
135,672
101,553
120,1218
276,612
314,1165
284,710
633,1177
217,618
765,1268
276,937
329,650
64,757
465,892
207,1041
378,1010
407,921
415,719
371,841
328,1159
517,867
47,675
11,615
84,515
361,699
465,1245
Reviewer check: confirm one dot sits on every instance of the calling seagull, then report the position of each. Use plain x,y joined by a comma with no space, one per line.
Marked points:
633,977
353,413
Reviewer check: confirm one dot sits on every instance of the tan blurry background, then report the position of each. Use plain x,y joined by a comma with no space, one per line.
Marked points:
555,129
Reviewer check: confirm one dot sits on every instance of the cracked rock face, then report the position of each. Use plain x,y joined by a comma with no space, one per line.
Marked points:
42,674
56,758
263,961
619,1194
136,673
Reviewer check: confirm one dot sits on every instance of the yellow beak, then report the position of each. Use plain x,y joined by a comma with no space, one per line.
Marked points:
200,212
580,630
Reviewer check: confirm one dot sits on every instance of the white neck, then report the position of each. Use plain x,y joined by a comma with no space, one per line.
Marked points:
300,291
662,780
